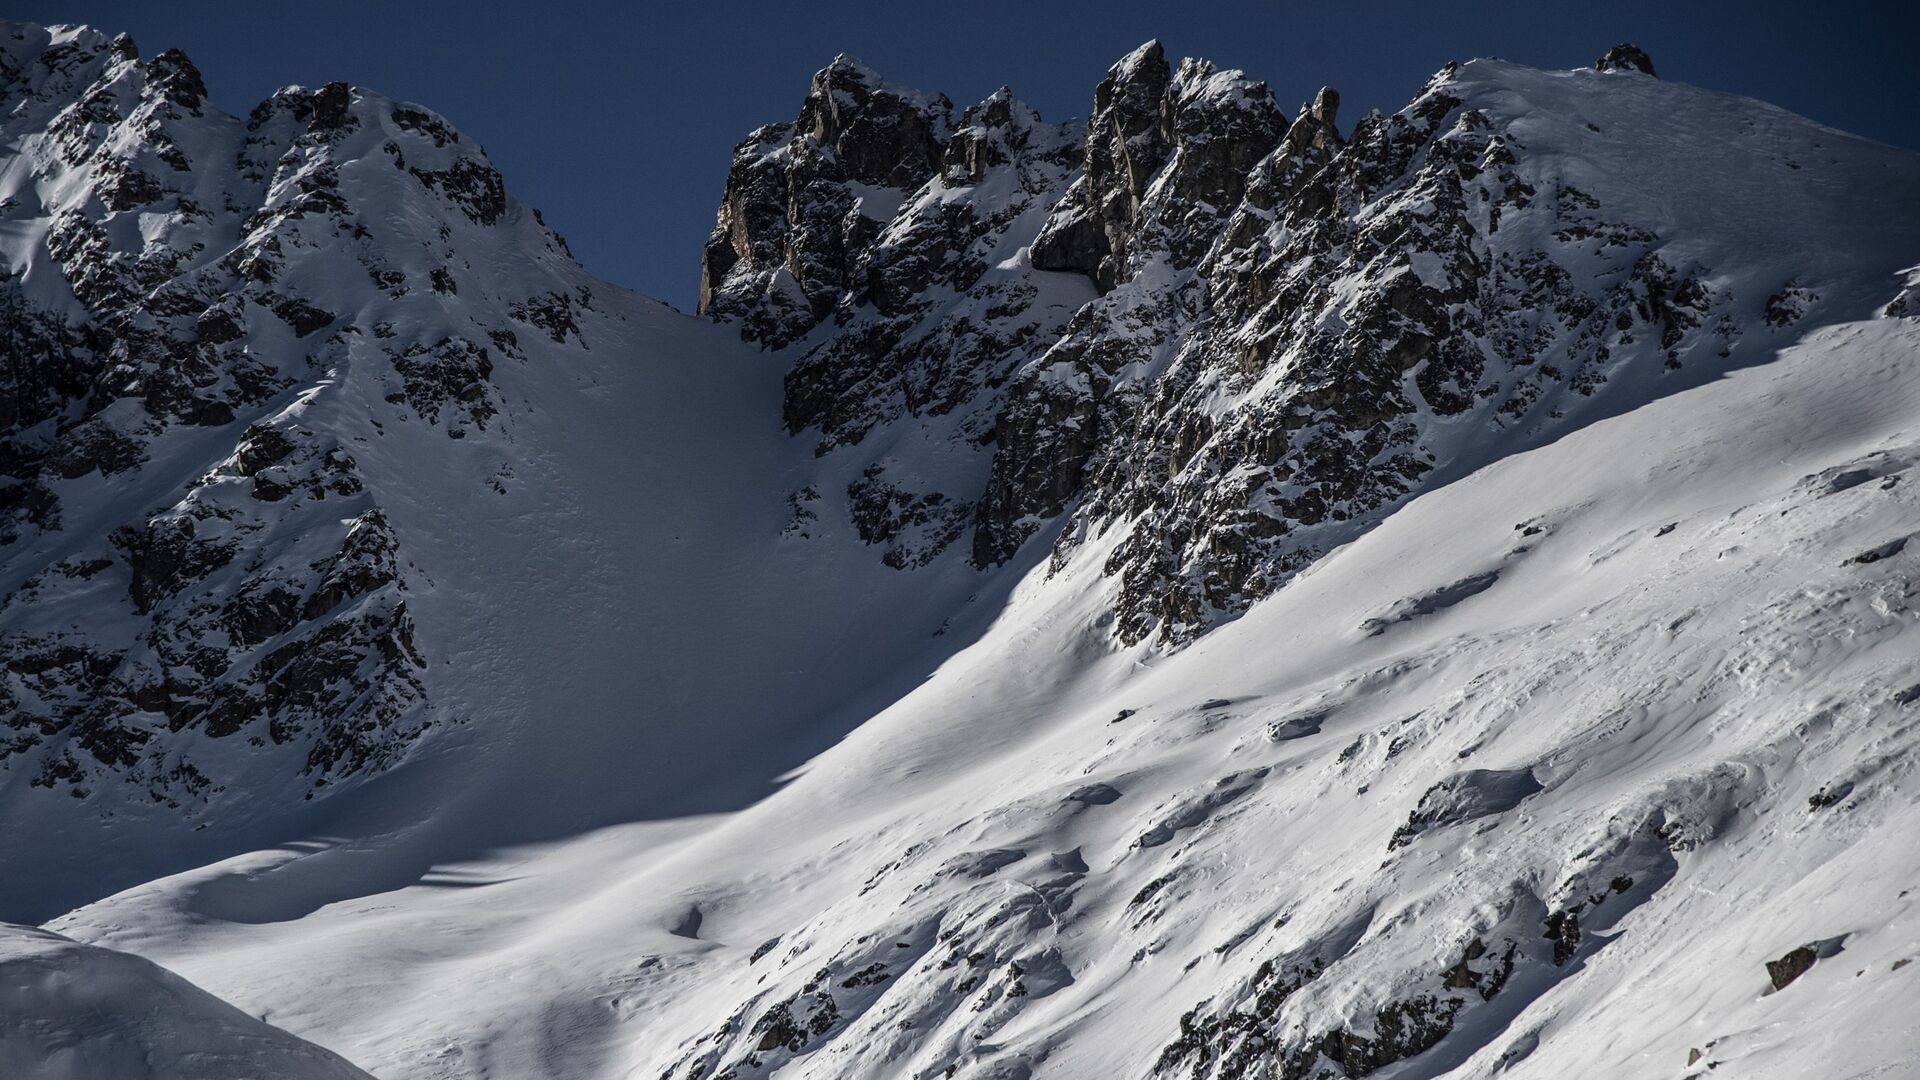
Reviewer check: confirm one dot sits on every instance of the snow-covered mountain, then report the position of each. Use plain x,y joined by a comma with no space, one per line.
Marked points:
1198,592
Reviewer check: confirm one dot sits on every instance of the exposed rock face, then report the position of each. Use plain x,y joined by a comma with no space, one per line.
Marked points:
1126,144
1294,331
804,199
880,240
1165,153
935,320
1625,57
195,288
1783,972
937,314
1360,294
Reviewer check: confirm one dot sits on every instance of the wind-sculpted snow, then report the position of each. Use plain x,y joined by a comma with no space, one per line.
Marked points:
1193,594
1486,849
74,1012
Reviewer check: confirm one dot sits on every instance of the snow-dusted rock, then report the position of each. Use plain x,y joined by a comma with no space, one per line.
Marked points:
213,326
1188,594
1299,330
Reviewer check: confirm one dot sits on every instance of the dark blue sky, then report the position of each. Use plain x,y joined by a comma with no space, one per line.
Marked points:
616,119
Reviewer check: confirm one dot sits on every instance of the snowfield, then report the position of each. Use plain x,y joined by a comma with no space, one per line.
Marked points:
75,1012
1593,754
1681,699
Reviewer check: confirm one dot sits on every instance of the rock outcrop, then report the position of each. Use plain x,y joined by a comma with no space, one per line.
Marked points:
195,554
805,199
1625,57
1293,330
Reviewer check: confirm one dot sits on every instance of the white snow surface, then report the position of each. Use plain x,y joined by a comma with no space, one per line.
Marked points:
1715,677
690,770
77,1012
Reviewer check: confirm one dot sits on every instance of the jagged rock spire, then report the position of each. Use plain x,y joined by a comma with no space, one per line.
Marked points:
1125,146
778,255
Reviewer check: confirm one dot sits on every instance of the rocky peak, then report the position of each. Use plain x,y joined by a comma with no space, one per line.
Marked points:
881,134
1309,143
1126,110
1372,307
1625,57
332,106
174,299
324,115
175,78
989,133
1293,328
1312,140
1167,152
791,223
904,296
1126,144
1220,125
1325,107
943,312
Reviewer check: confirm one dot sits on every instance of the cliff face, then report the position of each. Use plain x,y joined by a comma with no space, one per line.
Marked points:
1294,329
210,322
1214,591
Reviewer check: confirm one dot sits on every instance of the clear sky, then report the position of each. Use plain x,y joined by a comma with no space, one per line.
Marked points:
617,119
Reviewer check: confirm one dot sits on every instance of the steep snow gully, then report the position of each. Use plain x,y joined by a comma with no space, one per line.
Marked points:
1206,591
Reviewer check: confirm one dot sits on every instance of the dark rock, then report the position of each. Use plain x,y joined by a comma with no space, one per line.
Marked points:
437,379
302,316
425,124
871,975
1466,796
1563,929
473,186
1882,551
177,80
221,322
1783,971
916,527
1830,795
551,312
261,446
167,555
1126,144
1624,57
331,108
367,561
779,256
94,446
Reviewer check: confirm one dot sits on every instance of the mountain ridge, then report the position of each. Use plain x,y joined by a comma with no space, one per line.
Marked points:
1198,593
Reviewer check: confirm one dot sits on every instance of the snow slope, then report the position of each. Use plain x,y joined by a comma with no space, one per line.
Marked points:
75,1012
1532,773
1679,699
628,458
